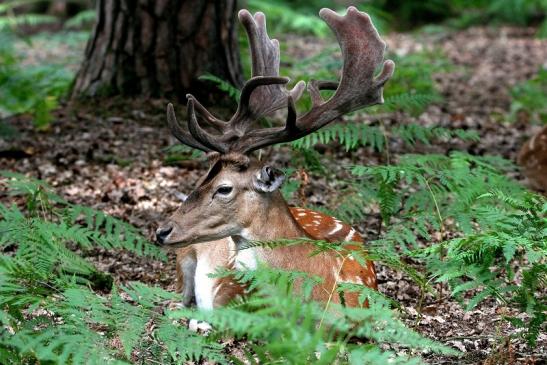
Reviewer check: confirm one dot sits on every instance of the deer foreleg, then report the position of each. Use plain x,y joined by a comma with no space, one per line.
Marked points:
186,272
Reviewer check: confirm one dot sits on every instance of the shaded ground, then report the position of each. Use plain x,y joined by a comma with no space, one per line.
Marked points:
111,155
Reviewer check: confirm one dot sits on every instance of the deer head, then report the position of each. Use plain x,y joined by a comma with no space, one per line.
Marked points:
238,190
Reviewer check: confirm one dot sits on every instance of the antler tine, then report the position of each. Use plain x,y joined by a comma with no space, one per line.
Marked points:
214,143
245,111
259,138
265,56
362,51
230,131
219,124
182,135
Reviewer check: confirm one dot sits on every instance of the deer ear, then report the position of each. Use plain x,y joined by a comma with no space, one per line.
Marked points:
268,179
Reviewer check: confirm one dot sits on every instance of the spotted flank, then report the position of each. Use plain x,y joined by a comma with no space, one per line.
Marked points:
320,226
323,227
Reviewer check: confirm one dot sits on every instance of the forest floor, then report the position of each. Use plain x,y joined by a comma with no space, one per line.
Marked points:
111,155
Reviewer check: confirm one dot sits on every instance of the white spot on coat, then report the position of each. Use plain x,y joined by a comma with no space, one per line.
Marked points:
350,235
336,228
217,289
335,274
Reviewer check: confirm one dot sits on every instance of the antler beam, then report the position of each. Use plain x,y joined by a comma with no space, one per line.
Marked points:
362,52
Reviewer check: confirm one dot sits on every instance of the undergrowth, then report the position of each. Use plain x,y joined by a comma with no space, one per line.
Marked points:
29,89
34,89
56,307
300,16
465,221
458,216
529,99
290,16
10,18
517,12
504,260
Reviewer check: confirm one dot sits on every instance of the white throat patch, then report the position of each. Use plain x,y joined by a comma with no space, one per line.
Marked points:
246,258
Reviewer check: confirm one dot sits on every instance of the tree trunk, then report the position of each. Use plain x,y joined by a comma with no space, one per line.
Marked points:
160,48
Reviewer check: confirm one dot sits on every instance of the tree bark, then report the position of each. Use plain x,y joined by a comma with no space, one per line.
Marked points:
160,48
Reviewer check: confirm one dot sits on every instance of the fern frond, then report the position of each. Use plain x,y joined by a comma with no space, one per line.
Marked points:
223,85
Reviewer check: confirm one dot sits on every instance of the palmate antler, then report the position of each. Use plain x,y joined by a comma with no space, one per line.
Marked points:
362,51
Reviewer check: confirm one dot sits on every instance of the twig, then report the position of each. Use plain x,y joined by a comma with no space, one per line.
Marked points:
454,338
441,225
332,291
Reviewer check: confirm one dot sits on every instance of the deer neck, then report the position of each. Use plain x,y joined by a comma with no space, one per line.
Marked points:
275,222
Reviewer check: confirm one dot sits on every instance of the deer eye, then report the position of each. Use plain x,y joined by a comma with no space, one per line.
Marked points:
224,190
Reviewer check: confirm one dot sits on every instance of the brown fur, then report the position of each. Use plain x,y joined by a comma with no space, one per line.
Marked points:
218,252
533,159
295,257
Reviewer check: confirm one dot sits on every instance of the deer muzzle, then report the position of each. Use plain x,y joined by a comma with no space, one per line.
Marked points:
162,234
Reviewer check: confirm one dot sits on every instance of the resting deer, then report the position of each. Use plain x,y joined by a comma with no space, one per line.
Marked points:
238,200
533,160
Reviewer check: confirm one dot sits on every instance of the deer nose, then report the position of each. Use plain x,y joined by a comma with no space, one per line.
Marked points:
162,233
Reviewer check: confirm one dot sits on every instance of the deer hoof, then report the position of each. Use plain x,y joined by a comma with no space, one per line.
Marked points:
199,326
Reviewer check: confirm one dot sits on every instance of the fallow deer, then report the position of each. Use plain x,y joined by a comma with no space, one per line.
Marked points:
238,200
533,160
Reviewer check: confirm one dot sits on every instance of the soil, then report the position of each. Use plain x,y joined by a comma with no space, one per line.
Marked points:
111,155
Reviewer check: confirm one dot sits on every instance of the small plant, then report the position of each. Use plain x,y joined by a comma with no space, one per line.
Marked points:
177,153
29,89
501,247
53,303
223,85
506,260
518,12
82,19
10,19
530,99
355,134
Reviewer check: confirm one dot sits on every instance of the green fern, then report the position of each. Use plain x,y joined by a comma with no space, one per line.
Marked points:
55,310
353,135
30,89
9,19
222,85
278,318
530,98
82,18
482,262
